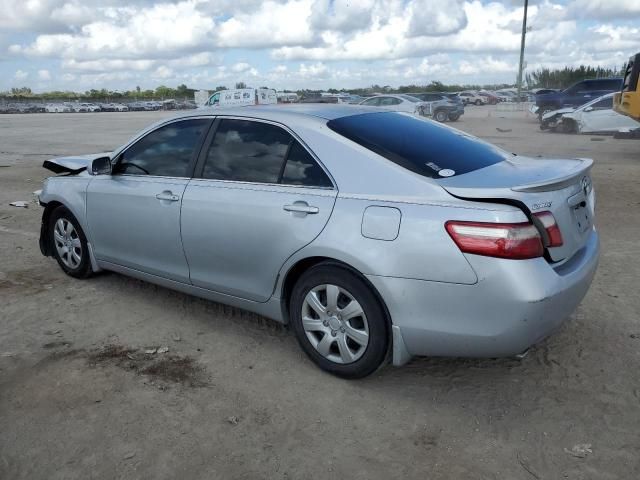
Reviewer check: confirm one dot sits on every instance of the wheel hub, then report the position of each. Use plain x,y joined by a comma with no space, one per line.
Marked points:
335,323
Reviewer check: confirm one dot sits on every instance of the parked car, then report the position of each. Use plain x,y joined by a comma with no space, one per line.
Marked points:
398,103
58,108
443,108
318,99
374,234
576,95
596,116
472,98
492,98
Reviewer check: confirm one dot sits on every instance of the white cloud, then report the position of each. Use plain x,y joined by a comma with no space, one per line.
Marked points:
272,24
604,9
21,75
300,43
436,18
44,75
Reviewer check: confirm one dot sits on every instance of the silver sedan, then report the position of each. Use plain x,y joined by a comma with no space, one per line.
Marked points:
374,234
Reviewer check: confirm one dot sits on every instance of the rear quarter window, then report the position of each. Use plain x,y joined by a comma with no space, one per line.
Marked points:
422,146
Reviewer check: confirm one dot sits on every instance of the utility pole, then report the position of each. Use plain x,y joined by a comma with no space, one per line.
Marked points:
524,34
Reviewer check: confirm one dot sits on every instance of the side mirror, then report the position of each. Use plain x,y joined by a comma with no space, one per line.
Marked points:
101,166
588,109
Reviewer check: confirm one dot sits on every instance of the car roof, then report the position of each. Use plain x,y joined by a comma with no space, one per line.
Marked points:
325,111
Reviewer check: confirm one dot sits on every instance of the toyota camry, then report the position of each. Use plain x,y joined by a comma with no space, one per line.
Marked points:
376,235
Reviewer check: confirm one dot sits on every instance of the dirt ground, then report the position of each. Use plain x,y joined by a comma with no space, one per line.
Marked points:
234,397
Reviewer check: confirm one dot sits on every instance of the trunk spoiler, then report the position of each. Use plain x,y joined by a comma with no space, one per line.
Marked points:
505,179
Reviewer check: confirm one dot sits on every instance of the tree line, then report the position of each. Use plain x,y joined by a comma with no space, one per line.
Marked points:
567,76
541,78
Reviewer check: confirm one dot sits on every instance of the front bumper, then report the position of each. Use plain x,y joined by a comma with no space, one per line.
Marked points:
515,304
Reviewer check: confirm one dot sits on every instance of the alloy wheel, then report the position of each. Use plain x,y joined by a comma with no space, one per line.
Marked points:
67,243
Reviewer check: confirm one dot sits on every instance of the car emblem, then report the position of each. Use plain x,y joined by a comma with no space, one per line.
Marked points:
446,172
585,183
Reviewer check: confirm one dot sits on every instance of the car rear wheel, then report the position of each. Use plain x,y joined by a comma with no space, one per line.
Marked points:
339,322
69,243
440,116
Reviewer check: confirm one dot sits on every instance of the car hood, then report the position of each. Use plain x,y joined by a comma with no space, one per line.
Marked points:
72,165
560,111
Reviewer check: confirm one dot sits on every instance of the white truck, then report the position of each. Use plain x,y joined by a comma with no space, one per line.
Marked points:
242,96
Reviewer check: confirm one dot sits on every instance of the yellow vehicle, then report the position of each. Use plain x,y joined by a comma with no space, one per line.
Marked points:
627,102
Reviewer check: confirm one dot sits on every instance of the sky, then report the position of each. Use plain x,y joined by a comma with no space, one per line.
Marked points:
292,44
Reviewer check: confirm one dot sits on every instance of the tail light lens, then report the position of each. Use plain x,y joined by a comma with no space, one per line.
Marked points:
516,241
551,226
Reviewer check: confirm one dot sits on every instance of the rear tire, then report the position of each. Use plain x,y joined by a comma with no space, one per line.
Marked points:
339,322
69,244
440,116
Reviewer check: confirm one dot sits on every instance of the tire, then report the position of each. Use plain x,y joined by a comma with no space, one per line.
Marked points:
454,118
440,116
65,233
352,347
478,102
567,126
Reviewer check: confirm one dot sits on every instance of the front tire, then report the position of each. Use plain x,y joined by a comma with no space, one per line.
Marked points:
478,102
69,243
339,322
454,118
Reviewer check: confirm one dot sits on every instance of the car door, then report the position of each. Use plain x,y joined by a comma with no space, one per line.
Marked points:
259,197
134,214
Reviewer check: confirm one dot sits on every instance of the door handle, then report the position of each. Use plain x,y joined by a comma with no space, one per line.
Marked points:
301,207
168,196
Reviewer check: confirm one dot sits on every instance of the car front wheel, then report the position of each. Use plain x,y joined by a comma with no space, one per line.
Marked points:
339,322
478,102
69,243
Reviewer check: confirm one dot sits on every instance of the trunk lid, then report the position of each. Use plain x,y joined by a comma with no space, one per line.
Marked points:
562,187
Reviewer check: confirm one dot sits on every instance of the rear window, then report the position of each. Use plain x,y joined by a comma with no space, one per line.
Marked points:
422,146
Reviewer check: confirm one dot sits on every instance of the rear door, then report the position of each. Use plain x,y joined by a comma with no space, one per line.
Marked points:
259,196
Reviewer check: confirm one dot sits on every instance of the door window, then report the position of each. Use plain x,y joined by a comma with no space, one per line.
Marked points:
388,101
246,151
167,151
372,102
249,151
604,104
302,169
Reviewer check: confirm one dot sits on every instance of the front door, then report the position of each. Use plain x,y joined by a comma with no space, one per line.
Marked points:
134,214
261,196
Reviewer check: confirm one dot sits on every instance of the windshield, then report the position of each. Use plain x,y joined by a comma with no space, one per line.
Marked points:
422,146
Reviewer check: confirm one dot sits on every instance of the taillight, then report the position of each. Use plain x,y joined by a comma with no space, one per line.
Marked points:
517,241
551,226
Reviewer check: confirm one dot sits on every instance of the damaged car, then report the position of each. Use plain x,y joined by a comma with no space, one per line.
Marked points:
596,116
375,235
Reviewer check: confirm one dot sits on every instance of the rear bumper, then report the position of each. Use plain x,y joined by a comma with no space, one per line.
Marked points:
515,304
